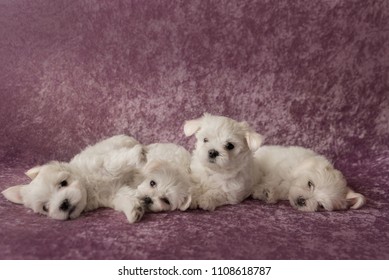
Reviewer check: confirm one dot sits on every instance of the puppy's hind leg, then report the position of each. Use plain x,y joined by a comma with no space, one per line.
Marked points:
119,141
124,160
127,202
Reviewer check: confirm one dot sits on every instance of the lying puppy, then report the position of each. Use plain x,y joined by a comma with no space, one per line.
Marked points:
306,179
165,182
100,176
222,162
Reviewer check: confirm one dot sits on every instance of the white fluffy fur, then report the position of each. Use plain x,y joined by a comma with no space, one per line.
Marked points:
308,180
226,178
165,184
114,173
99,176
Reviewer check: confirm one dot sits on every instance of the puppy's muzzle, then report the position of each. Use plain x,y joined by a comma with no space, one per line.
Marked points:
66,206
213,154
147,201
301,202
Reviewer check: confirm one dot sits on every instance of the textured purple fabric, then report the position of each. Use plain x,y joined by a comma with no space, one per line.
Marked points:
311,73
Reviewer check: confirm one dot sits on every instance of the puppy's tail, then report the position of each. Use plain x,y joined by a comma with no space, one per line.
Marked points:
355,200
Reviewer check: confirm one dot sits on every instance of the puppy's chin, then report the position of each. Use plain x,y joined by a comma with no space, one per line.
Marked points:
158,208
213,164
73,213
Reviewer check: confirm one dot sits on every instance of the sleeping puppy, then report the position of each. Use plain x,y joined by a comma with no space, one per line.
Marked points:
222,162
99,176
165,185
308,180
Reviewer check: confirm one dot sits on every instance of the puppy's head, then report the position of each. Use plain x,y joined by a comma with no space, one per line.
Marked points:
164,188
222,144
54,191
318,186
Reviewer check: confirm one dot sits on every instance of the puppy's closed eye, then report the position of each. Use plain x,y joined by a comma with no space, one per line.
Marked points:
63,183
320,206
311,185
164,199
44,208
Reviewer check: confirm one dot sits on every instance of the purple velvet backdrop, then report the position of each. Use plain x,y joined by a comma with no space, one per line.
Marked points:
311,73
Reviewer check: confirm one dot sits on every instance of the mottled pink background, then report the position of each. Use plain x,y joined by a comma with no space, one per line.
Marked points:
311,73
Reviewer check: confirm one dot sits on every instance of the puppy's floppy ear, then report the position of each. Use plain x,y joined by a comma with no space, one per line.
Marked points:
33,172
192,126
355,200
14,194
254,140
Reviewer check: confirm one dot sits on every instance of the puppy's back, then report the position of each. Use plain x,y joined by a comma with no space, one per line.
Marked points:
268,157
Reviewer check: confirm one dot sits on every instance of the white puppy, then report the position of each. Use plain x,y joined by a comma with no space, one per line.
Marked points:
222,162
99,176
306,179
166,184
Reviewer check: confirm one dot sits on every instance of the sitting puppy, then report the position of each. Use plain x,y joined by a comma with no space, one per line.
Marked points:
165,182
222,162
306,179
100,176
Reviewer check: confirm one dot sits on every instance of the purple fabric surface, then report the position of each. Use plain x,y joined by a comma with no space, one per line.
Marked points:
310,73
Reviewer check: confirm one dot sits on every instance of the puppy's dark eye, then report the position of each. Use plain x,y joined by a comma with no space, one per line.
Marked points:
310,185
45,209
229,146
63,183
164,199
205,140
153,183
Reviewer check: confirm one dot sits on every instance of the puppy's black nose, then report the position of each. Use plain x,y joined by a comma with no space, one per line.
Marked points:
65,205
147,200
213,153
301,201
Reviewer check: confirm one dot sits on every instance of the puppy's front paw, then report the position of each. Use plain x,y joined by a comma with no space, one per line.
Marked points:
138,155
261,194
194,204
135,214
266,195
206,203
270,196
